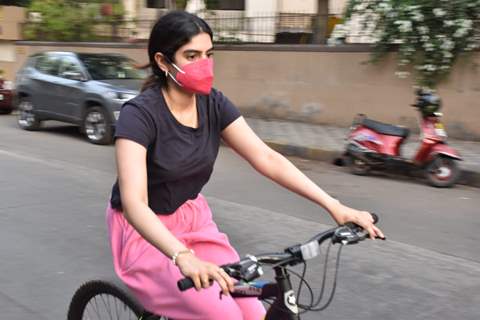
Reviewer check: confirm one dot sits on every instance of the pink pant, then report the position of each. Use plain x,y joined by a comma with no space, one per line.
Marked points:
152,277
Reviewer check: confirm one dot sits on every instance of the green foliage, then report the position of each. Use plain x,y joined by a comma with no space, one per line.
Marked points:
211,4
95,1
68,20
430,34
181,4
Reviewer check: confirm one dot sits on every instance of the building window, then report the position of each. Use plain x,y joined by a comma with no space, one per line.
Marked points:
210,4
225,4
156,4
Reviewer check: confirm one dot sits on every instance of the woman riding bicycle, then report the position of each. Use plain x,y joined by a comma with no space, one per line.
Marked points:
167,139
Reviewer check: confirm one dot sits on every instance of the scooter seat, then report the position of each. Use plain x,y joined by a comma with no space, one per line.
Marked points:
386,128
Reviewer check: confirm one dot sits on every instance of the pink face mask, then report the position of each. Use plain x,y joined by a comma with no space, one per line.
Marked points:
196,77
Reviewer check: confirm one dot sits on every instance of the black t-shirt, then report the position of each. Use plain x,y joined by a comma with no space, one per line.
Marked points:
180,159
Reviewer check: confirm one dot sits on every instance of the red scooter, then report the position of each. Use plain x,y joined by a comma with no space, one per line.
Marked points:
374,145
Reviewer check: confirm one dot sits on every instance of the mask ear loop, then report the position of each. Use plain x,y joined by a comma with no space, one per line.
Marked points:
176,67
173,64
172,77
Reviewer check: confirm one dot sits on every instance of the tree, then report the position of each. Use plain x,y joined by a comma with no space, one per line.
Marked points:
69,20
430,34
61,20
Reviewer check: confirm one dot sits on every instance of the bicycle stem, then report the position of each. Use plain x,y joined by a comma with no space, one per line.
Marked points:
285,305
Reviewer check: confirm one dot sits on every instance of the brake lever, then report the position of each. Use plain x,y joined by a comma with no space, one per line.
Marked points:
350,233
360,233
345,235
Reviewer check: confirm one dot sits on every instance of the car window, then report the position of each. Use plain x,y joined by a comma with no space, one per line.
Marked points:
31,61
69,65
48,64
103,67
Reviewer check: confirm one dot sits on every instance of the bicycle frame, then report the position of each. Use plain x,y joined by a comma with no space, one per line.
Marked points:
284,306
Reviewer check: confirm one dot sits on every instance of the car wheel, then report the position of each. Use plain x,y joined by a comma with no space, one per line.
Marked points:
97,126
26,118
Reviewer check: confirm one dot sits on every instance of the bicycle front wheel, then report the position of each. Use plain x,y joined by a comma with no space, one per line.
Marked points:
103,300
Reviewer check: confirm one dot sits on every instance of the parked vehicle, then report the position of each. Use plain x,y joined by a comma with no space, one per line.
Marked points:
80,88
373,145
6,97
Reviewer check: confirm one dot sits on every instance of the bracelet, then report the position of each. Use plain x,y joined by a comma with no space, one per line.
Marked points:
176,254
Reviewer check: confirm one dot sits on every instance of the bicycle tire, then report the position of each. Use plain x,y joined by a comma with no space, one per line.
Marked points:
104,294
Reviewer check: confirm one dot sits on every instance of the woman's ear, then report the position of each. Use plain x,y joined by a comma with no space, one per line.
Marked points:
161,61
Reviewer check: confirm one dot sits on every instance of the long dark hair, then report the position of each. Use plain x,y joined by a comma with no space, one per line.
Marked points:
169,33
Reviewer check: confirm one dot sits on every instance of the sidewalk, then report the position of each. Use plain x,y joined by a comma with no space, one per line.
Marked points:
326,143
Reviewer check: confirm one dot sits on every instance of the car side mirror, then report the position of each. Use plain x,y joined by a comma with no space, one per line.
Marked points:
73,75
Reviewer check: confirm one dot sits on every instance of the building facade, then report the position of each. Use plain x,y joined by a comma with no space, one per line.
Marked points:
11,20
242,20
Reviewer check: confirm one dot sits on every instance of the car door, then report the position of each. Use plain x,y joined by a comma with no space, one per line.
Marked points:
41,82
70,89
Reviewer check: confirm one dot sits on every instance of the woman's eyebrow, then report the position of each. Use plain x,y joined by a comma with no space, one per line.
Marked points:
191,51
196,51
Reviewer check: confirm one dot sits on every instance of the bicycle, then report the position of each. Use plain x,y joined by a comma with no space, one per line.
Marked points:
99,299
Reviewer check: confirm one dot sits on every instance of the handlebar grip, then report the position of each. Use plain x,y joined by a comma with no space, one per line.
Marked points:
185,284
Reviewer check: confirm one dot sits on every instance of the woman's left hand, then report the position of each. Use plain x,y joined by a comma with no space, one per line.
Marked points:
343,214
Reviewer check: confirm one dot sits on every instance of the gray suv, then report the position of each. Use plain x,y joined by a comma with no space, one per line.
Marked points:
81,88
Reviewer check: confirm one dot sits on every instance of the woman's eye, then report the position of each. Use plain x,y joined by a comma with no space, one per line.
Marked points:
191,57
210,54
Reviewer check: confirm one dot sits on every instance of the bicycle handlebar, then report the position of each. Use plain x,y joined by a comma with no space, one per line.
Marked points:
248,268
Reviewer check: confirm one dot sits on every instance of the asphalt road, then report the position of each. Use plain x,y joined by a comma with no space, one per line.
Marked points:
54,187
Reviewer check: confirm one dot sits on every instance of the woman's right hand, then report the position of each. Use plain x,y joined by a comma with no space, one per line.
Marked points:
201,272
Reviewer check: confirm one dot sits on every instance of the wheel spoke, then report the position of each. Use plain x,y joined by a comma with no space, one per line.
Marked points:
87,313
116,308
95,308
107,308
101,300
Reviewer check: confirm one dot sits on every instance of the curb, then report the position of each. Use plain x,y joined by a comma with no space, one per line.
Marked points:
304,152
467,177
470,178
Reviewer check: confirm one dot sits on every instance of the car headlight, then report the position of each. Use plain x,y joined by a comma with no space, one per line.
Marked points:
121,96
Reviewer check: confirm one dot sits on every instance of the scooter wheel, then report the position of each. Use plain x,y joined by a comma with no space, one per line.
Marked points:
442,172
358,166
